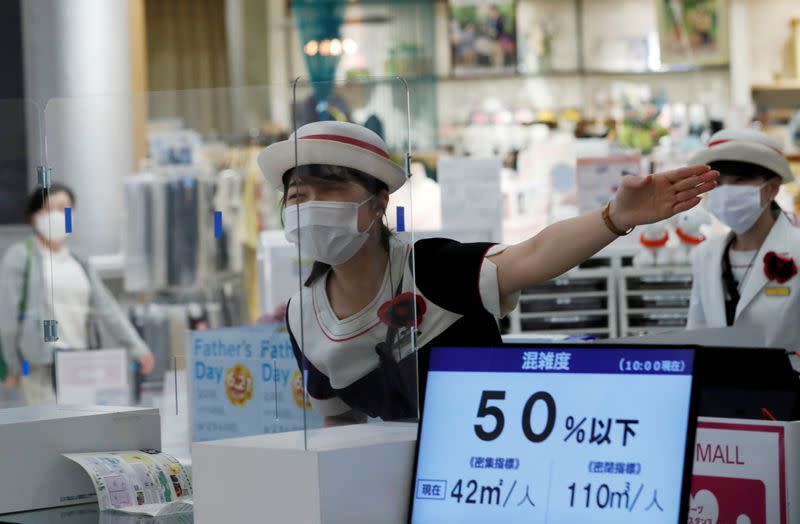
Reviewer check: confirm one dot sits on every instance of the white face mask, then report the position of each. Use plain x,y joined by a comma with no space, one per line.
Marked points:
736,206
52,226
327,231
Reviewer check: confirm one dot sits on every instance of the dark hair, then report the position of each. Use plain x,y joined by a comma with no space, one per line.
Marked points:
330,173
38,198
742,169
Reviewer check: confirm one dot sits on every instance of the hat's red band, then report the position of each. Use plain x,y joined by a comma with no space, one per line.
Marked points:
725,140
348,140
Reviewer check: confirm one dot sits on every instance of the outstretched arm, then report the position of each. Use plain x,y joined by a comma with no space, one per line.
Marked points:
564,245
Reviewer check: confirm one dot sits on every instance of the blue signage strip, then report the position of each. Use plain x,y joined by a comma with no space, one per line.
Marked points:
564,360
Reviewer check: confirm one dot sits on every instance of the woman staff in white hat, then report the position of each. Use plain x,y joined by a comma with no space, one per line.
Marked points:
354,315
749,276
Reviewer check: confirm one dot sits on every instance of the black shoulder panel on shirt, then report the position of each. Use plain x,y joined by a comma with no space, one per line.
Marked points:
448,273
317,383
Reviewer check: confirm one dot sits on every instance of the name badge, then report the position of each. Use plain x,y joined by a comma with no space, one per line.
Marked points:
774,291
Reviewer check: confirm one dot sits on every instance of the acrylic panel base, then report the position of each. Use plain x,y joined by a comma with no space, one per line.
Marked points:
350,474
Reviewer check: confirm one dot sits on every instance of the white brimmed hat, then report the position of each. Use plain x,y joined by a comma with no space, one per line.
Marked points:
746,145
332,143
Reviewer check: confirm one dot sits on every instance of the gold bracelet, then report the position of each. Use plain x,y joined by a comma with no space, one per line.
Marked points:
610,225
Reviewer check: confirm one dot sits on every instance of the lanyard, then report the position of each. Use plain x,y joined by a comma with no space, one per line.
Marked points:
729,285
732,294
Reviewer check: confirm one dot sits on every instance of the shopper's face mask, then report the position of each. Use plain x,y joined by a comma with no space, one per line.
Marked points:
327,231
737,206
51,226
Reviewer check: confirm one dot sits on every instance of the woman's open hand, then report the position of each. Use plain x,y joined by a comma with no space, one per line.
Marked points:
10,382
652,198
146,363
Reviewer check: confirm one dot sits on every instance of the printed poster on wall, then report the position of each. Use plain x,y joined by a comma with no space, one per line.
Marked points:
483,36
245,381
693,32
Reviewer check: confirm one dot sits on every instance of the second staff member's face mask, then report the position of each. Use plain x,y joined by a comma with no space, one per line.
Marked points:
327,231
736,206
51,226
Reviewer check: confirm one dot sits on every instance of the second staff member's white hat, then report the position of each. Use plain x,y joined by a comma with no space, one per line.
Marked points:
747,146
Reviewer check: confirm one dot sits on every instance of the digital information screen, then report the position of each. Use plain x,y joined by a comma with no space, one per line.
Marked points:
553,435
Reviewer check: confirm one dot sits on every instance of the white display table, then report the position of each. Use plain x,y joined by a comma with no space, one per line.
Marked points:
349,474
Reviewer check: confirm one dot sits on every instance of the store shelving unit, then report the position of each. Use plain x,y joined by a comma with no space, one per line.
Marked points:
581,302
557,73
605,298
783,85
784,94
653,300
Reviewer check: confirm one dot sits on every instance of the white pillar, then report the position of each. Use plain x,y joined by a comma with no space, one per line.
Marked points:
280,74
235,32
77,72
739,37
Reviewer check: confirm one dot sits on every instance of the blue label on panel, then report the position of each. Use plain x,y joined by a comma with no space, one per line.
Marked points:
564,360
401,219
68,219
217,224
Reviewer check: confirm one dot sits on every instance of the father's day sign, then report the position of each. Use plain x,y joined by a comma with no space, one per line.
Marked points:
245,381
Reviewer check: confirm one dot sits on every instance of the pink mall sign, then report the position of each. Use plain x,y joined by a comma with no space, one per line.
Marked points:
739,473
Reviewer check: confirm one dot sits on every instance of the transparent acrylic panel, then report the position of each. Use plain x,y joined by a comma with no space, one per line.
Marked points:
173,204
24,296
355,317
175,406
89,152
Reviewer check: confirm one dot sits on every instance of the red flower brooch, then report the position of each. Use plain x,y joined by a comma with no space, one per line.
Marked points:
399,312
778,268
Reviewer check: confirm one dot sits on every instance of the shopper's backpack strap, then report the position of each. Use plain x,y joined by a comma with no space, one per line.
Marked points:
22,306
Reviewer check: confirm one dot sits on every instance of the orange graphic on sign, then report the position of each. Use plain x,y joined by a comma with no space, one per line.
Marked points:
239,385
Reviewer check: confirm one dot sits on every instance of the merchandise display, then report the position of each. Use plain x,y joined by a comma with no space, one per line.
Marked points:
671,243
145,253
167,249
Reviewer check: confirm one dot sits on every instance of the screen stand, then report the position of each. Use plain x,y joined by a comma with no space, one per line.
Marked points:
352,474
